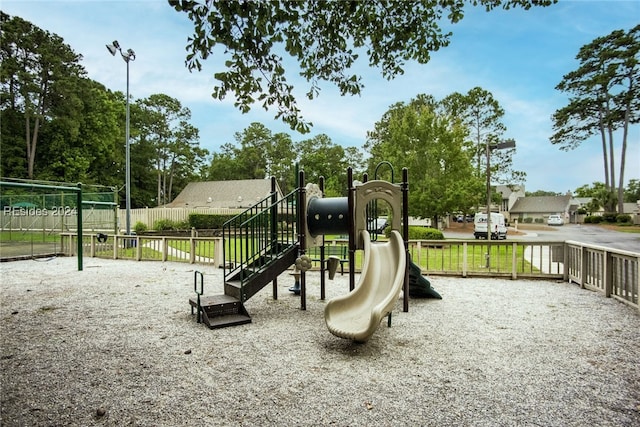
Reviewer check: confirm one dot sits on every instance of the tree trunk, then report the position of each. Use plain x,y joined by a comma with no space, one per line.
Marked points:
34,141
159,181
605,156
27,124
171,173
623,156
610,207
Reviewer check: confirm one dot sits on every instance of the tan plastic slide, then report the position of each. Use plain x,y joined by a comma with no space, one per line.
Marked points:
357,314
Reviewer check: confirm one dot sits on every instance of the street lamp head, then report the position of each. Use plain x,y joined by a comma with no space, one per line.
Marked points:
113,47
507,143
129,56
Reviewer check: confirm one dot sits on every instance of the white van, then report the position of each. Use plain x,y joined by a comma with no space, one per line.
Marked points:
498,226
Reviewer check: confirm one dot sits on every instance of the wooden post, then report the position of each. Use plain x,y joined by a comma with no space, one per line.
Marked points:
514,260
607,273
583,266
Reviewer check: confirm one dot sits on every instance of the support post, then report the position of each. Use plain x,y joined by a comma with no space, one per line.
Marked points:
302,226
322,252
405,234
79,225
273,225
352,231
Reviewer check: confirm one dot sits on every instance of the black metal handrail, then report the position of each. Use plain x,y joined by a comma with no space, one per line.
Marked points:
254,238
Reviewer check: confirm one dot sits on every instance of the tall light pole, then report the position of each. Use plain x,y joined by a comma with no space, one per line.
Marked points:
507,143
127,56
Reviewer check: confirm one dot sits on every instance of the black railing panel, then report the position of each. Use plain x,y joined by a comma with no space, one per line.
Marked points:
254,238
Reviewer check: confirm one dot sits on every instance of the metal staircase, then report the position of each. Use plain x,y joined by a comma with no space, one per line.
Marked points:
259,244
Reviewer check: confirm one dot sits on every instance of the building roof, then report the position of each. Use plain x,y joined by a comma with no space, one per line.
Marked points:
541,205
507,190
581,201
240,193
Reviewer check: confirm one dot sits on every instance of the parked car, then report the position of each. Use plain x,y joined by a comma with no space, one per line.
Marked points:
378,225
555,220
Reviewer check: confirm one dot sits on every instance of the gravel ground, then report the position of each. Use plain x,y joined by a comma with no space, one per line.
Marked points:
116,345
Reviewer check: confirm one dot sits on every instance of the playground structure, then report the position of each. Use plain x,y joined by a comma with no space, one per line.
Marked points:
271,236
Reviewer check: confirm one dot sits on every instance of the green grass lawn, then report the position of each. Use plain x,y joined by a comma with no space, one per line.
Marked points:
450,257
30,236
441,257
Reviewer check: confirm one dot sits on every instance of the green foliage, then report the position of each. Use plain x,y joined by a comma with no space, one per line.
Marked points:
609,217
140,227
603,99
324,38
539,220
623,219
257,153
76,125
528,220
601,196
38,71
163,123
593,219
425,233
319,156
632,192
482,116
166,225
207,221
432,146
587,190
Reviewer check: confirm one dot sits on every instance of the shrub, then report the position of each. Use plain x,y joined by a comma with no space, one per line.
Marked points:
164,224
609,217
592,219
182,225
425,233
539,220
207,221
528,220
140,227
623,219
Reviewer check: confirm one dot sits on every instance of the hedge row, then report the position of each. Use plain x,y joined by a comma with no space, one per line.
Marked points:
207,221
608,217
420,233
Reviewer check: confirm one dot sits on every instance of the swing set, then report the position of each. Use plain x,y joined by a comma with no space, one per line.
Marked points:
32,213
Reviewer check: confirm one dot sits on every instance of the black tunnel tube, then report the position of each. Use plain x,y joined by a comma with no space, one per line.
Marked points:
327,216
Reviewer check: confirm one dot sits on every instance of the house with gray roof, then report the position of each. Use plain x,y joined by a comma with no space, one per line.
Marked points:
540,207
510,194
233,194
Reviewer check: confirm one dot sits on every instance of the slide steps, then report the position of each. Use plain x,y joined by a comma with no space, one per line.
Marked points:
219,311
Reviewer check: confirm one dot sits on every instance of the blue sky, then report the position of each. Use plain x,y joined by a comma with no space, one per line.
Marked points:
519,56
